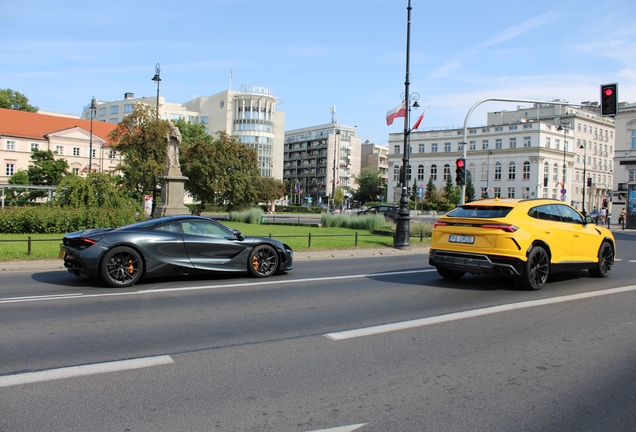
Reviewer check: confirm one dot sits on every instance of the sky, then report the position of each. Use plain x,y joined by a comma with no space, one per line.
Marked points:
315,54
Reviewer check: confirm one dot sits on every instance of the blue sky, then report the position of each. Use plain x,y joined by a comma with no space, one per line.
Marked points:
317,53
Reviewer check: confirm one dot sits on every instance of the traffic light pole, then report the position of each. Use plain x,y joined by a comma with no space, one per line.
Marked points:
464,143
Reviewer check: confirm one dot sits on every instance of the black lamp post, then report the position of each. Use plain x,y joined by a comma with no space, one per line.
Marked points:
336,144
402,238
562,128
90,141
584,174
157,79
488,176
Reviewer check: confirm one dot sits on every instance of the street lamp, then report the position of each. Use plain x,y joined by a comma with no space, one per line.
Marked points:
562,128
584,146
402,237
157,79
488,176
93,109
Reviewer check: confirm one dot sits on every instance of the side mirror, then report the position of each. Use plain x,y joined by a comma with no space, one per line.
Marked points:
588,220
238,235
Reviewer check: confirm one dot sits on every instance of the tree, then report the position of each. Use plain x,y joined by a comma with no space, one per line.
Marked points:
339,196
14,100
45,170
141,140
469,195
431,197
221,171
96,190
451,194
269,189
17,196
371,185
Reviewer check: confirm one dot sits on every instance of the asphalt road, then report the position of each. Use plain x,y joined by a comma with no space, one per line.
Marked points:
379,343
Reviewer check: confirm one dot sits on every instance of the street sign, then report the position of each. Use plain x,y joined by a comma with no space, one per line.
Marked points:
563,191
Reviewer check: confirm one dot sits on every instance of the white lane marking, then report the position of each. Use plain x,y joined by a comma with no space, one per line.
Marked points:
75,371
341,428
632,261
275,281
404,325
49,296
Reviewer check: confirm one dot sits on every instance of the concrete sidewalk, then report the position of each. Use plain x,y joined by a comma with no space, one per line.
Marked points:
415,249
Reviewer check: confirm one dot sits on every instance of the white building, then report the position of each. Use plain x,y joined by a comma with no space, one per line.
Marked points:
315,155
518,154
249,114
624,195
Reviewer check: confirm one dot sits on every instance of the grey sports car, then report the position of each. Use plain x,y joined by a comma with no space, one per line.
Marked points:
169,246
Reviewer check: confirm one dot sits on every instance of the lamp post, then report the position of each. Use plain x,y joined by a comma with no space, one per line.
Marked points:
157,79
488,176
562,128
90,141
336,144
584,174
402,238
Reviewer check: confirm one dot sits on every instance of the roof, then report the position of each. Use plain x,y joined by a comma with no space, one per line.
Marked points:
24,124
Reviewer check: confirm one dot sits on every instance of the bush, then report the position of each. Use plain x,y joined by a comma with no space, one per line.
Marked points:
251,216
364,222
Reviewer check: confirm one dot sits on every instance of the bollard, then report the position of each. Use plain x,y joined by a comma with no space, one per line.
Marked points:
29,246
356,239
309,241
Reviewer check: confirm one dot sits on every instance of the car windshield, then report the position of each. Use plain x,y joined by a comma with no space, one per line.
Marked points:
482,212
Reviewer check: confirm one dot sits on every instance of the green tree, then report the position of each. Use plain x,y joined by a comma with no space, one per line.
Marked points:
339,196
17,196
269,189
45,170
14,100
221,171
96,190
141,139
431,196
469,195
451,194
371,185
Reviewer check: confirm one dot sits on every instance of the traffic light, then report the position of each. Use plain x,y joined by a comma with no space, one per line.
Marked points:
460,171
589,182
604,203
609,99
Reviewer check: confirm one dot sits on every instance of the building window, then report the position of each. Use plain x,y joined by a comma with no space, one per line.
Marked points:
111,154
499,129
11,145
102,112
93,153
499,143
512,127
527,141
446,171
527,126
114,120
547,142
76,151
484,192
447,147
9,169
114,109
75,171
434,172
498,171
511,192
484,172
35,146
525,192
59,150
634,140
473,145
631,175
434,148
555,174
497,192
396,149
484,144
205,119
526,170
176,117
128,108
512,169
420,172
513,142
421,148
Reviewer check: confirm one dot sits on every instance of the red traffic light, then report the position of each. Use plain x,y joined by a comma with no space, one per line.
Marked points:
461,163
608,92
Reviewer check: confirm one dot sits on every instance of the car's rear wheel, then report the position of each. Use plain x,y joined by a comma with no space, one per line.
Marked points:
536,269
605,261
450,274
121,267
262,261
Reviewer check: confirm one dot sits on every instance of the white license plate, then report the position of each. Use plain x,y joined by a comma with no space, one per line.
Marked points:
461,239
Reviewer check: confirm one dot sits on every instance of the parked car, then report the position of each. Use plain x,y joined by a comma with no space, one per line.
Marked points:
169,246
390,212
528,239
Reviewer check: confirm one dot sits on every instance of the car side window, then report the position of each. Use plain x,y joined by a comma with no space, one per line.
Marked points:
546,212
204,228
173,227
570,215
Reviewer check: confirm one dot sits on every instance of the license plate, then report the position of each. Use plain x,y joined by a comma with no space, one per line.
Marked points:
461,239
62,253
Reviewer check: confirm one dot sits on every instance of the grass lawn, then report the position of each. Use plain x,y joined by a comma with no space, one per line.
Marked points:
46,246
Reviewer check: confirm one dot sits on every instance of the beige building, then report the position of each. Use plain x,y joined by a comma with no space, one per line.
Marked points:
69,138
249,114
376,157
624,195
315,156
518,154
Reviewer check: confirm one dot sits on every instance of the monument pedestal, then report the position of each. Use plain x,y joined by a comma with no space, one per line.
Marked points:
172,191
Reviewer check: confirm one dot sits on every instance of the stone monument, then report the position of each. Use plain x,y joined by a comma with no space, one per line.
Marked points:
172,181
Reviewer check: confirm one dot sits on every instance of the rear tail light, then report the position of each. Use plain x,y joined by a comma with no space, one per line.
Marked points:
505,227
439,223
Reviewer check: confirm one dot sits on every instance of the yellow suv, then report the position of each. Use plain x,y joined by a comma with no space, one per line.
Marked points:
524,238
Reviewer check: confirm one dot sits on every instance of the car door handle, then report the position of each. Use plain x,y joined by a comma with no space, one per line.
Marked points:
548,232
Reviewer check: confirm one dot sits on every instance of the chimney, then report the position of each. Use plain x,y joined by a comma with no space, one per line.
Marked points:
129,95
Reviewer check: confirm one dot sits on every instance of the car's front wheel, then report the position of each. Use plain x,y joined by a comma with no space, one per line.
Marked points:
262,261
450,274
605,261
121,267
536,269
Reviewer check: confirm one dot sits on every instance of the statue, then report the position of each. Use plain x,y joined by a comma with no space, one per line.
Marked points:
174,141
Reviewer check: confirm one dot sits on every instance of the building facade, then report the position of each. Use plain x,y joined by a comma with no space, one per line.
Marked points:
315,156
69,138
249,114
624,194
376,157
544,151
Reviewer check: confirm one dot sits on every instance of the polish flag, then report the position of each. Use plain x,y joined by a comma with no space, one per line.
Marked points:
399,111
419,120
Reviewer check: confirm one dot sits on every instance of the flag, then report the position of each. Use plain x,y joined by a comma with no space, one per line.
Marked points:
399,111
419,120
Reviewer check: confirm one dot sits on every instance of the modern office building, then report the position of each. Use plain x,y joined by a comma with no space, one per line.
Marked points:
543,150
69,138
316,155
249,114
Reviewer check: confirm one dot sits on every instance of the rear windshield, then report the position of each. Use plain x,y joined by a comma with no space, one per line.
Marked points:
482,212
